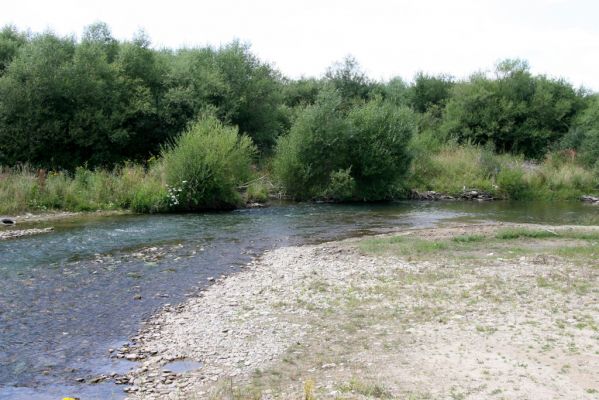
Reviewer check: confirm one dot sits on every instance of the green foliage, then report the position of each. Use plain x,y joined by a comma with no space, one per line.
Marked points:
257,192
430,91
468,238
583,137
378,148
455,167
100,102
205,165
254,94
452,168
63,104
316,145
518,112
129,187
349,81
397,91
512,184
301,92
10,42
326,146
342,186
517,233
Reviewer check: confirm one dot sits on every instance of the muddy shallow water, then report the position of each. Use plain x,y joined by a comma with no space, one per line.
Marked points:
68,296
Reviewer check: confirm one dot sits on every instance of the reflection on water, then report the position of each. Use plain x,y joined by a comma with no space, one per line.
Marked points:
67,296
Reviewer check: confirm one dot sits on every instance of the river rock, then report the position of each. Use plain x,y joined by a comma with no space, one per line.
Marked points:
590,199
475,194
429,195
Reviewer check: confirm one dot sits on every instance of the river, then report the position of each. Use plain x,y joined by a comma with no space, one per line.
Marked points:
68,296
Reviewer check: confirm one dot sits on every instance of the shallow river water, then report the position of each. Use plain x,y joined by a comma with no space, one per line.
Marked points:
68,296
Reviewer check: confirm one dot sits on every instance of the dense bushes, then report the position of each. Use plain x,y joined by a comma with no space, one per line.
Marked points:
582,140
455,167
378,148
200,170
204,166
360,154
98,101
129,187
517,112
102,103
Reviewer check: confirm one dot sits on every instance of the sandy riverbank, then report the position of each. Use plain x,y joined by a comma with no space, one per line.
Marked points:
455,312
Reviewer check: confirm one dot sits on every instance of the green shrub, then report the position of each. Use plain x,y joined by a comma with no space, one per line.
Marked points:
379,148
326,146
512,184
128,187
315,146
257,192
519,112
342,186
454,168
205,165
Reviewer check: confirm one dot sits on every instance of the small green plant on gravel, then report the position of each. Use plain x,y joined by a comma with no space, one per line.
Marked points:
517,233
309,390
366,389
468,238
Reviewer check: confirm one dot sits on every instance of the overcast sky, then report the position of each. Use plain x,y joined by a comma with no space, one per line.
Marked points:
389,38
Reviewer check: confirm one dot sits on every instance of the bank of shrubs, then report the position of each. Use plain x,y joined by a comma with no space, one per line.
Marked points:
222,127
129,187
455,167
205,166
341,154
200,170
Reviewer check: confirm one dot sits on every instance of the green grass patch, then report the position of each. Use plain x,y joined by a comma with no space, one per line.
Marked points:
130,187
517,233
451,167
468,238
365,389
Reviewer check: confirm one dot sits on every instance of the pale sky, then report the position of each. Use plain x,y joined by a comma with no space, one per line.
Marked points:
559,38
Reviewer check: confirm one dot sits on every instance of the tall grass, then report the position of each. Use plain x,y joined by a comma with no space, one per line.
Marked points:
451,167
129,187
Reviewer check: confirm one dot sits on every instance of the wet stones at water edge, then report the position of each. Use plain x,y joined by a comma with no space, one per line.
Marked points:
255,205
13,234
467,194
475,194
429,195
590,199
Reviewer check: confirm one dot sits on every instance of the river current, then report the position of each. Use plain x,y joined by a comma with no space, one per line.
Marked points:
68,296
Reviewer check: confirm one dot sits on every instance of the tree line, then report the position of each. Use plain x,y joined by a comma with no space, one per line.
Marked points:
99,102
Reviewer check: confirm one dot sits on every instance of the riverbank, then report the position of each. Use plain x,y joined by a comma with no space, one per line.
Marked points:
472,311
15,231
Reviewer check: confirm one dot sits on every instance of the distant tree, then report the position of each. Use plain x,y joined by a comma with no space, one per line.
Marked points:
397,91
378,148
11,40
518,112
584,135
340,154
35,106
301,92
99,34
430,91
254,95
350,81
